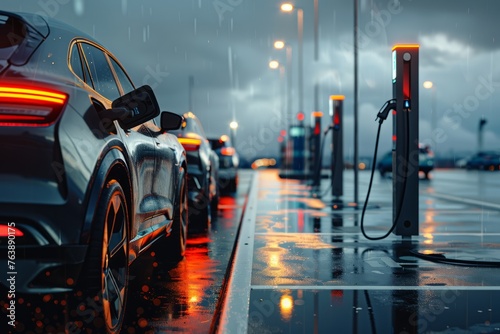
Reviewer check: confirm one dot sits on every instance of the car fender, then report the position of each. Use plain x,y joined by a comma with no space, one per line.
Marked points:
112,158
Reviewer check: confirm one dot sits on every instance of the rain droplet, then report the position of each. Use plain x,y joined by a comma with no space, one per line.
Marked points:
124,7
79,8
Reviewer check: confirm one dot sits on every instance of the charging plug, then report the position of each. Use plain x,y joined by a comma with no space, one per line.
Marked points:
382,115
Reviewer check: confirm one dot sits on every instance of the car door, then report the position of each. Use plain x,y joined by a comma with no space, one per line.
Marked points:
167,168
110,81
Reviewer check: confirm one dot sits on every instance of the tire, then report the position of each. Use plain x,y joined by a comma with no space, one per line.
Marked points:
106,271
233,185
174,246
203,217
214,204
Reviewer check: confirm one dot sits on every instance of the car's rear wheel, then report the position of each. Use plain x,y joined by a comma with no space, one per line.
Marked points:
106,271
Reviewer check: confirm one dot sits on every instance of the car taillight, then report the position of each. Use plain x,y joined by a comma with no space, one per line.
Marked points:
227,151
27,106
190,144
6,231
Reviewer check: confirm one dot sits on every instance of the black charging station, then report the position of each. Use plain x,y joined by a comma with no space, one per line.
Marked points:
405,139
337,165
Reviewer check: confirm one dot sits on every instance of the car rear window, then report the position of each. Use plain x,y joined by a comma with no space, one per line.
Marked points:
12,34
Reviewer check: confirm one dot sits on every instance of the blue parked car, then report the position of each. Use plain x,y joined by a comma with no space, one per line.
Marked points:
425,161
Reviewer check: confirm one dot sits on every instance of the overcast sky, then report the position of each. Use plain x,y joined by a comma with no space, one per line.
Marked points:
226,46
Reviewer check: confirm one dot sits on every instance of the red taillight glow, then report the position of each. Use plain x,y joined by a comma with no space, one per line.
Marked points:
5,231
190,144
23,106
227,151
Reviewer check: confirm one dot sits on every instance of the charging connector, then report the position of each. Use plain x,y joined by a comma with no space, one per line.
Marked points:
387,107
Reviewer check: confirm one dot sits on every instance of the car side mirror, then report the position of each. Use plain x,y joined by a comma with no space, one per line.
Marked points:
134,108
170,121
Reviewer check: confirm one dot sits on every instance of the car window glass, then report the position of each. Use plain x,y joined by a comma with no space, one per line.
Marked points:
102,77
12,33
75,62
122,77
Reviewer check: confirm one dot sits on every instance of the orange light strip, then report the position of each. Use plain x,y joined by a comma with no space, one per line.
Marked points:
189,141
32,94
317,114
337,97
408,46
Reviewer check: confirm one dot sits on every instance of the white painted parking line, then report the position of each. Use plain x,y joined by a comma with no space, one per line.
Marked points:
378,288
469,201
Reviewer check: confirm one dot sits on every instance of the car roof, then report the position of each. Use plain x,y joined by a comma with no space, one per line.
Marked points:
44,24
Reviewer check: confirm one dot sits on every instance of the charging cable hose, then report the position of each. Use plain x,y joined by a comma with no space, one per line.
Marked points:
381,117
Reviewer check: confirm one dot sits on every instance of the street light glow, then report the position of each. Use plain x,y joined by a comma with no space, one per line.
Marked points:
233,125
274,64
287,7
428,84
279,45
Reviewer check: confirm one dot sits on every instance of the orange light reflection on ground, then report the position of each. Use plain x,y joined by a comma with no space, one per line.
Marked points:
286,306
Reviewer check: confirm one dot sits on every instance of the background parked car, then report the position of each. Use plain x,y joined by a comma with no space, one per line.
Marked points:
425,161
88,179
487,160
228,162
203,169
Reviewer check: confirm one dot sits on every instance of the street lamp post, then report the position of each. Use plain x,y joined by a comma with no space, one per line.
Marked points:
430,85
288,7
274,65
233,126
279,45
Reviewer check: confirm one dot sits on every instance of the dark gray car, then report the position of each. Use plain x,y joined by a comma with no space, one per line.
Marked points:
88,178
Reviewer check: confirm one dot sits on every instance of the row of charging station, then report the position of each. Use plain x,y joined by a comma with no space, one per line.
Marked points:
303,151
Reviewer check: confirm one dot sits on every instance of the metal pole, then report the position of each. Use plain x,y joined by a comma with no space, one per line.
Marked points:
433,119
282,96
190,94
300,27
289,85
316,97
356,181
316,28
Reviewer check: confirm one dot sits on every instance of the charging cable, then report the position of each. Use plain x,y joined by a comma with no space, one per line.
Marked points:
381,117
